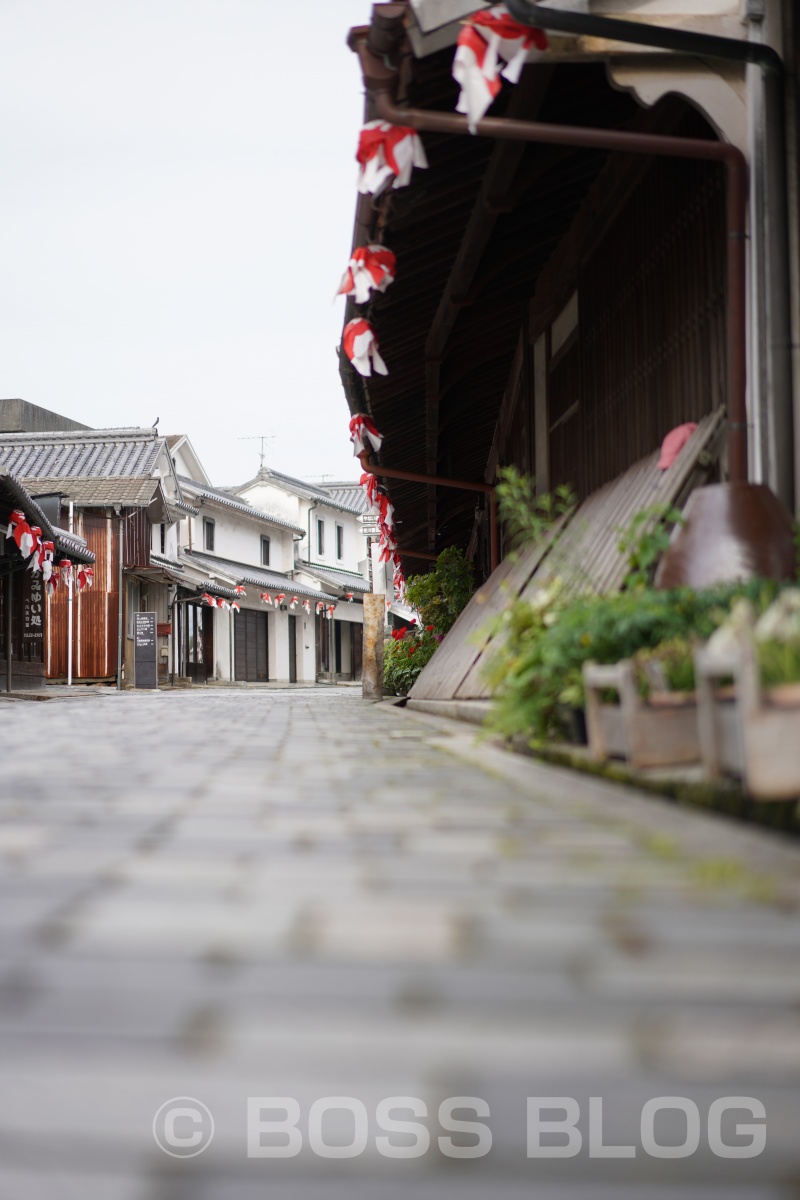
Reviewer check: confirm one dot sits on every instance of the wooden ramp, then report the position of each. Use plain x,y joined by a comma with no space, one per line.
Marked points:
583,553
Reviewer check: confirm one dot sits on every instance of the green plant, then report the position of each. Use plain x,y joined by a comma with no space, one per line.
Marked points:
644,540
529,517
440,595
404,656
667,667
777,638
542,660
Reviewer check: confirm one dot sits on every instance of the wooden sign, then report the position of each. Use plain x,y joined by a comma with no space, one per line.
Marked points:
145,652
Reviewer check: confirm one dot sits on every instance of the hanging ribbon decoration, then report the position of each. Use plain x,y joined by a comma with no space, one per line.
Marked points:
490,39
206,598
331,611
361,346
65,570
307,606
240,590
349,596
279,599
320,606
43,559
293,603
84,577
371,269
21,532
371,486
387,152
266,598
363,431
234,606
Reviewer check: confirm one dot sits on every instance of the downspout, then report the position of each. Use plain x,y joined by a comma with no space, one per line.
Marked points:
308,545
119,606
69,604
8,588
778,288
380,80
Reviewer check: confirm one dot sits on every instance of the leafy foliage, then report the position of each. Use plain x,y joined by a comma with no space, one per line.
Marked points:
403,660
529,517
543,652
440,595
645,539
669,667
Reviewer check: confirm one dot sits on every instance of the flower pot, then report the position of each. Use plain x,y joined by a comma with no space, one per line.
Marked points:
754,735
658,732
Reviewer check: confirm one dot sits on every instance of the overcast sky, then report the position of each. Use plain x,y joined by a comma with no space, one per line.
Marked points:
178,192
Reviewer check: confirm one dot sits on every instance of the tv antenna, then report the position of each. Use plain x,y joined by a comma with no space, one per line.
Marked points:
261,437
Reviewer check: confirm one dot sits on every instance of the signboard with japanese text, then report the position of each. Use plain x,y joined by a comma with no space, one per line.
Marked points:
145,650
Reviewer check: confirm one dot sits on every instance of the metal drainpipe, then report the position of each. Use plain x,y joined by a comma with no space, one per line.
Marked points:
779,350
69,604
308,550
380,81
8,588
119,614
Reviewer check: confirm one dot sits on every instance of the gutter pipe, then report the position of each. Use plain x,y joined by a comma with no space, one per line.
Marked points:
778,285
380,78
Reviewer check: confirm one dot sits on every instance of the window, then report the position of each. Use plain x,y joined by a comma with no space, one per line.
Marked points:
208,533
320,537
340,541
265,551
163,538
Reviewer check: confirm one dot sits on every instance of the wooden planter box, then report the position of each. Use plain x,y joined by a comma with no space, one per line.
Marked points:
748,731
658,732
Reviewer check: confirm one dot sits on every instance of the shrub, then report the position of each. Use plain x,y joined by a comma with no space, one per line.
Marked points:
404,656
440,595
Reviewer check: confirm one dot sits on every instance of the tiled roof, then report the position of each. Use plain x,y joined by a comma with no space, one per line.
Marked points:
258,576
310,491
349,495
81,454
134,491
177,569
66,543
346,580
218,496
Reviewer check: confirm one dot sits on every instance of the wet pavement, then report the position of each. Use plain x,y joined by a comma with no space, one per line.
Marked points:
245,907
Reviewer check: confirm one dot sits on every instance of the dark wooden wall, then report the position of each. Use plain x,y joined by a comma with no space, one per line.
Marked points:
95,610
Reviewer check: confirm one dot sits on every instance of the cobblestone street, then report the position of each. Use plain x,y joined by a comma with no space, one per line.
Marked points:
227,894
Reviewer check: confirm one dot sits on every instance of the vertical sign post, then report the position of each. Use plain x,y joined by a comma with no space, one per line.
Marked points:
145,656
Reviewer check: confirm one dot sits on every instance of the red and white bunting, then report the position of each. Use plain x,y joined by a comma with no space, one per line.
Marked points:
371,269
279,599
307,606
51,582
240,590
20,531
331,611
361,346
363,431
266,598
65,570
36,535
223,604
349,596
43,559
370,484
387,153
293,603
234,606
84,577
490,39
320,606
207,598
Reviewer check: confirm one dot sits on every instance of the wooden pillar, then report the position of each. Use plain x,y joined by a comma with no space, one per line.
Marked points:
372,663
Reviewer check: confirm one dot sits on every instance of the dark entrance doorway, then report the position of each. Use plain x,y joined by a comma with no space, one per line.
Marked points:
198,643
251,662
292,649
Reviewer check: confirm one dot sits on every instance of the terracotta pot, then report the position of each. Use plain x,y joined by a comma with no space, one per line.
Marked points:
733,531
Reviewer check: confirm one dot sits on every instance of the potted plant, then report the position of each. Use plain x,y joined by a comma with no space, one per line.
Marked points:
752,730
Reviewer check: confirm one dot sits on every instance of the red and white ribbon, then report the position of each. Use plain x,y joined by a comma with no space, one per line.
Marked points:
363,431
207,598
20,531
234,606
84,577
266,598
65,570
371,269
43,559
51,582
490,39
370,484
349,596
293,603
279,599
307,606
361,346
320,606
331,611
223,604
386,151
240,590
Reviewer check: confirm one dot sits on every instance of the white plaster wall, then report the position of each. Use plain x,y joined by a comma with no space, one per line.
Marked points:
355,544
238,537
266,496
